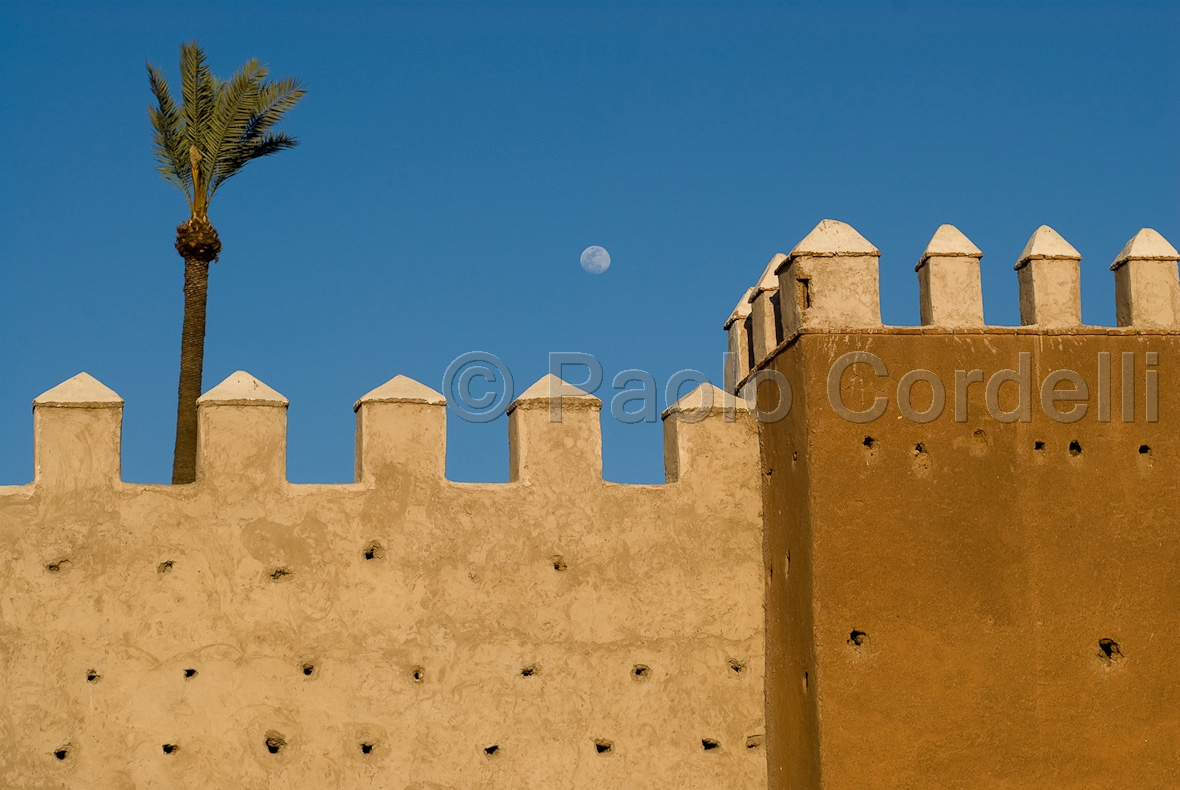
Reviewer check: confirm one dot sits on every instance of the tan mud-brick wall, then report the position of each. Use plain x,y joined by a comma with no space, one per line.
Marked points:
556,631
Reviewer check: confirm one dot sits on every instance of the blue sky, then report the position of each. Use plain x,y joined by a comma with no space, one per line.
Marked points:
456,158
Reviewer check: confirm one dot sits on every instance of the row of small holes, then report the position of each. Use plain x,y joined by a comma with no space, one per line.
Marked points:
373,551
275,742
92,675
1075,446
603,746
1108,649
638,672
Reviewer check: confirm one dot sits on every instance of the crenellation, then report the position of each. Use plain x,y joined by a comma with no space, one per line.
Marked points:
740,328
1050,281
77,430
832,277
401,430
705,432
242,434
830,280
766,328
554,433
1147,289
950,290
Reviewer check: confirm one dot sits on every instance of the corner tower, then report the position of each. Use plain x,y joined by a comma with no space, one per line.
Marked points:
971,547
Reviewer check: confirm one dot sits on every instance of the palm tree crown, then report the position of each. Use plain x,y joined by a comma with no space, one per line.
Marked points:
219,127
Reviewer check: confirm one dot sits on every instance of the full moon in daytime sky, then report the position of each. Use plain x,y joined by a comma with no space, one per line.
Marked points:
595,259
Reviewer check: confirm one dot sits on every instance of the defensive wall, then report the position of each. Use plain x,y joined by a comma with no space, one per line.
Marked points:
403,631
971,533
951,563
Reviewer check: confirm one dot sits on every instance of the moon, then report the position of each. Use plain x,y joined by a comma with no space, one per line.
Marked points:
595,259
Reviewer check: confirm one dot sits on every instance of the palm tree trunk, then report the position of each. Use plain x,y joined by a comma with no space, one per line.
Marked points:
192,360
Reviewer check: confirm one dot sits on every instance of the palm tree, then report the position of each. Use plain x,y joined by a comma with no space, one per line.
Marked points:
219,127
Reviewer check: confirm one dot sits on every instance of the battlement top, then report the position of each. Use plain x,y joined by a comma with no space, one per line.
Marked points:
829,282
742,310
242,389
832,238
548,388
708,399
554,436
1146,245
769,279
401,389
1046,244
81,391
948,242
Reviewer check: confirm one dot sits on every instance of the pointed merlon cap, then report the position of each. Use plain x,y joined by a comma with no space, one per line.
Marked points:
241,389
82,392
695,401
742,311
402,389
549,387
831,239
1146,245
948,242
769,280
1046,244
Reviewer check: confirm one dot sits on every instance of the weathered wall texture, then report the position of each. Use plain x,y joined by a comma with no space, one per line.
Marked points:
957,599
968,580
404,631
950,583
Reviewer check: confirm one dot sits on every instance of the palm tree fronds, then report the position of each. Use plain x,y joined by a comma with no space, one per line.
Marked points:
233,99
197,88
267,144
221,124
234,103
166,135
254,139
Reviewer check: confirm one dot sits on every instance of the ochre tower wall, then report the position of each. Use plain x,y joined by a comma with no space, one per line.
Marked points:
975,600
400,632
